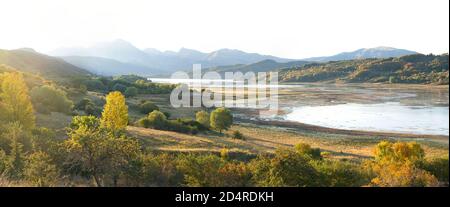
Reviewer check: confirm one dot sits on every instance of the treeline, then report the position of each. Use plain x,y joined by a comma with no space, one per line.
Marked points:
129,85
417,68
98,152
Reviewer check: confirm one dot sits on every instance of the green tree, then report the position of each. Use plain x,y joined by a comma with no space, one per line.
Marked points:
52,98
40,171
147,107
99,154
115,113
203,117
157,120
131,91
16,160
221,119
15,102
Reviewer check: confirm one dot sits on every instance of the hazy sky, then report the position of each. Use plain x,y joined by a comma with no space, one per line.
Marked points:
287,28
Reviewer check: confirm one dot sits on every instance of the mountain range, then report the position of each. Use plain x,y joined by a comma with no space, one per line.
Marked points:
102,57
121,57
377,52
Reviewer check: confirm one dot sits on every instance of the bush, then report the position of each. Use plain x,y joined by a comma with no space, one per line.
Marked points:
439,168
399,152
148,107
335,173
131,91
203,118
238,135
157,120
94,85
119,87
52,98
161,170
286,168
306,150
394,174
88,107
221,119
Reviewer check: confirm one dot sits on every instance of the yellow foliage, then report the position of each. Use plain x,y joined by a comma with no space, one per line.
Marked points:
391,174
115,112
399,151
15,102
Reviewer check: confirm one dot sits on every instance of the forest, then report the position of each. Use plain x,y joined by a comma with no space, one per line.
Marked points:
410,69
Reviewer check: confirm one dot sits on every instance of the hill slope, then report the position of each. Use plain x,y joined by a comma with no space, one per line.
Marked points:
422,69
377,52
48,67
262,66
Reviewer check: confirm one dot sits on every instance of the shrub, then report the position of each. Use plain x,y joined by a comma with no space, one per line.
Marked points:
203,118
148,107
221,119
94,85
88,107
235,175
52,98
306,150
157,120
399,152
210,165
119,87
160,170
286,168
336,173
438,167
131,91
238,135
394,174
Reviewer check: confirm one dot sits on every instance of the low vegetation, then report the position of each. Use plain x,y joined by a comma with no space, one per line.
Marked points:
97,148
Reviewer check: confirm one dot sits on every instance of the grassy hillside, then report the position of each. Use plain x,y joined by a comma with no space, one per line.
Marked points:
262,66
46,66
418,68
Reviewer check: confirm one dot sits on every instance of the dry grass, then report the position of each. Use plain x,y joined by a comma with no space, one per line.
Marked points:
258,140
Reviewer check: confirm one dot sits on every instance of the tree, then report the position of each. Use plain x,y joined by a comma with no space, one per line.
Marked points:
40,171
202,117
157,120
221,119
52,98
131,91
115,113
147,107
119,87
15,102
97,153
16,160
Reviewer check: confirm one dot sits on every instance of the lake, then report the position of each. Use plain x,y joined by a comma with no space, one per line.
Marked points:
415,109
